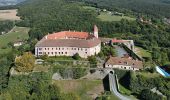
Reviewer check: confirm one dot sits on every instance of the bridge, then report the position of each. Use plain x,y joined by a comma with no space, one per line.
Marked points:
114,86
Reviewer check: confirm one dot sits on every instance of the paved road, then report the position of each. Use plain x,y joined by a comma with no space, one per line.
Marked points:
113,87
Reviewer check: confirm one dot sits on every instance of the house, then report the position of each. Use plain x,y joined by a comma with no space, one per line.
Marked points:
68,43
126,63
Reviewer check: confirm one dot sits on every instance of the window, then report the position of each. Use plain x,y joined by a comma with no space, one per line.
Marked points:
40,52
65,52
40,48
86,52
52,53
55,52
62,48
48,52
61,52
52,48
85,49
45,48
48,48
74,48
56,48
59,48
78,48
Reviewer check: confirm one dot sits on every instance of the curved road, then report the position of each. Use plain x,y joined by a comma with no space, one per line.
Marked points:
113,87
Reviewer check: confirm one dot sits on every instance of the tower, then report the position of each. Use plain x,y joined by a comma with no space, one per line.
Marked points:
96,31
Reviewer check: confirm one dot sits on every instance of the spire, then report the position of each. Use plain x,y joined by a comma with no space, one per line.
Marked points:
95,28
95,31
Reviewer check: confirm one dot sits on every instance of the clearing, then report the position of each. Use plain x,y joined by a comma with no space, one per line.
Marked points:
108,15
9,14
105,16
16,34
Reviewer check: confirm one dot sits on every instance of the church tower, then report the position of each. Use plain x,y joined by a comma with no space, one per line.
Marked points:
96,31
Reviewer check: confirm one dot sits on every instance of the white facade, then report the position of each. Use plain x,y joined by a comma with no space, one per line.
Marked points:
67,51
125,67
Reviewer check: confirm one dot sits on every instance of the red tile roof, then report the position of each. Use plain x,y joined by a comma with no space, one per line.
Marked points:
68,34
69,39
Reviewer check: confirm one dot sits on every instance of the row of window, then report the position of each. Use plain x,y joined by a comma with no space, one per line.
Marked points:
53,53
63,49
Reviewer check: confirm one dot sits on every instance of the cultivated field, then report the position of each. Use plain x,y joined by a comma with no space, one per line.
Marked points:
16,34
9,15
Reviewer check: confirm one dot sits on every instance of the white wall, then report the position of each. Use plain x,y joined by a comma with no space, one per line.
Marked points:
67,51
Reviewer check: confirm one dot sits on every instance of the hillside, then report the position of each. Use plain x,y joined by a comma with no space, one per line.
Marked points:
153,7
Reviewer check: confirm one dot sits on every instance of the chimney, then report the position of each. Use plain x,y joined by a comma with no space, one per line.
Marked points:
96,31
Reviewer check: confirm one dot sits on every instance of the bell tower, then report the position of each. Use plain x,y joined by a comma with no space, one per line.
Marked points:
96,31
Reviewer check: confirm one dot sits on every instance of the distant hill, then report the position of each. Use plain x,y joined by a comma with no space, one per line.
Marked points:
151,7
9,2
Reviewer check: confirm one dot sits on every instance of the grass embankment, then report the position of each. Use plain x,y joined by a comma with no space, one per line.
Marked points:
16,34
86,89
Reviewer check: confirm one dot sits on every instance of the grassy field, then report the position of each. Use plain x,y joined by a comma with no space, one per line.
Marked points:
86,89
16,34
105,16
142,52
9,14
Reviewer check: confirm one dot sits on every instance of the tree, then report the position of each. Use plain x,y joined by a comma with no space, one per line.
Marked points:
25,63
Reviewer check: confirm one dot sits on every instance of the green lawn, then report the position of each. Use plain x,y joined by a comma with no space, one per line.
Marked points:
105,16
84,88
142,52
16,34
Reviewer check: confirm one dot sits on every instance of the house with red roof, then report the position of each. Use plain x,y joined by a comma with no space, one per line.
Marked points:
68,43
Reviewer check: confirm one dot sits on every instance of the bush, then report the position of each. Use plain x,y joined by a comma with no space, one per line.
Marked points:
76,56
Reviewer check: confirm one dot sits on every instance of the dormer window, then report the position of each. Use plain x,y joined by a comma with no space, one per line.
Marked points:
126,63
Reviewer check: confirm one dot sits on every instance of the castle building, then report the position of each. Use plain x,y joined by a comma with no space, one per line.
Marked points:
68,43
